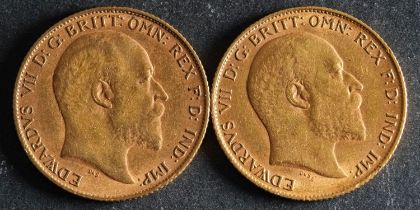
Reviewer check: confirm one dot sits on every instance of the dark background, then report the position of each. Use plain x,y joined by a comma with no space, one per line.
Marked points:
210,182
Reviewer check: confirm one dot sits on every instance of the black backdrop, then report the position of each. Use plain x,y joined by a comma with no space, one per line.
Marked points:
210,181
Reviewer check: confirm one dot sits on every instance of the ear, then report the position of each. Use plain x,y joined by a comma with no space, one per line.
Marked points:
102,93
297,94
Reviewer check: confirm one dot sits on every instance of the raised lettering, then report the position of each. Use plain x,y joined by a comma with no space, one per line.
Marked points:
225,97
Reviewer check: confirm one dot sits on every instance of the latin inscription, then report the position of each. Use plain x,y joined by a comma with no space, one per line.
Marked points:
179,53
231,72
28,83
247,160
224,100
94,22
41,152
184,61
368,45
266,32
136,24
195,110
187,140
155,174
366,163
326,22
388,130
149,28
391,88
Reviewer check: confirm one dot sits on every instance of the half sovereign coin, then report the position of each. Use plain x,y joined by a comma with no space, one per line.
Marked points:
111,103
309,103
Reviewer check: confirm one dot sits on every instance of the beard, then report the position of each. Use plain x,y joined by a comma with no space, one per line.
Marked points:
147,134
337,123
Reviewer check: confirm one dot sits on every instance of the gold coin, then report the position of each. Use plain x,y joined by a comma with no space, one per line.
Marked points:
111,103
309,103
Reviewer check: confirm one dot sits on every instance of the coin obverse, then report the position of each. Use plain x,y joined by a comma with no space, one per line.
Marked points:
309,103
111,103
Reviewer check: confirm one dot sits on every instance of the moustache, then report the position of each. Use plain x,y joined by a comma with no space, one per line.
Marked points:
355,101
157,111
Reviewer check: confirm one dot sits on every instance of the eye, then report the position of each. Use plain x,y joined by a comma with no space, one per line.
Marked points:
338,74
144,79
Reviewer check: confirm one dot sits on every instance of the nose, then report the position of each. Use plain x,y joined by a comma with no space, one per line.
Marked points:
352,82
158,91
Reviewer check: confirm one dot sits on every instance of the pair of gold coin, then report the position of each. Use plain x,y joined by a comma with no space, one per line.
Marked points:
113,103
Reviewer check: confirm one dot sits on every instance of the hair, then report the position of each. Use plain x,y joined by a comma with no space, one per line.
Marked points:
89,58
293,57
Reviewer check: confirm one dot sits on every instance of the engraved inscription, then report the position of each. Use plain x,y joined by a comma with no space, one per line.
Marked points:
265,32
307,175
309,94
188,138
55,41
149,28
41,152
370,47
155,174
93,172
224,100
231,72
184,61
28,83
330,23
242,53
307,101
111,86
388,130
94,22
109,100
41,58
247,160
194,110
364,165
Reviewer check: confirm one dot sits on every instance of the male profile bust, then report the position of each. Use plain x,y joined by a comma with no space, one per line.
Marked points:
110,101
306,100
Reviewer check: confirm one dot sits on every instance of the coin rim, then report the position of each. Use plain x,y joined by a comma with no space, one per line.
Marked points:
224,61
125,10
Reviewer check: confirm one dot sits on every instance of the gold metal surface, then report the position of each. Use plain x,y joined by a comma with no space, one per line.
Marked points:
111,103
309,103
